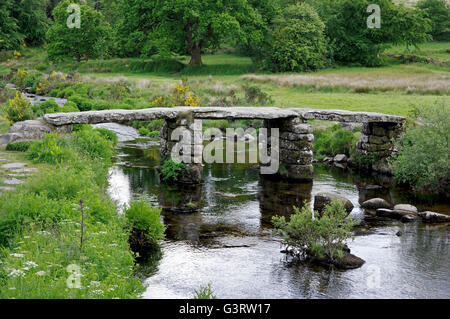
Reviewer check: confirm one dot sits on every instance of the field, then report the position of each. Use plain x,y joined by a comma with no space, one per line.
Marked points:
408,78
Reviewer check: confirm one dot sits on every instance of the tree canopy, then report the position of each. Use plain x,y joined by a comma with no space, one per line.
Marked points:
187,26
79,43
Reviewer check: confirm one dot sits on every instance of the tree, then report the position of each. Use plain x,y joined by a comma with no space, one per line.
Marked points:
187,26
10,37
79,43
296,42
438,11
31,19
353,42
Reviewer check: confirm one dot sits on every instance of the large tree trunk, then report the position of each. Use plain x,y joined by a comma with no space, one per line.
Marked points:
196,56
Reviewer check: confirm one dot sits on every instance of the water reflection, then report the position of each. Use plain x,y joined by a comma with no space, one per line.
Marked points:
228,242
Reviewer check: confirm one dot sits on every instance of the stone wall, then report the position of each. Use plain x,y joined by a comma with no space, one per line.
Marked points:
296,144
192,142
375,146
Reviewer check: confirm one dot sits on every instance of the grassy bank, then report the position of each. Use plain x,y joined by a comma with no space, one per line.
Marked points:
53,245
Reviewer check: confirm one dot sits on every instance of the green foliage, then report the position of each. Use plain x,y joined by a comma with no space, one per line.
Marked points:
10,35
171,170
296,42
79,43
332,141
18,146
93,143
141,216
31,20
352,42
185,26
316,236
438,11
19,109
423,151
69,107
40,227
109,135
204,292
49,150
49,106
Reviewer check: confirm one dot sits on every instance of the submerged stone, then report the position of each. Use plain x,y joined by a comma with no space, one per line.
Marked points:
376,203
323,199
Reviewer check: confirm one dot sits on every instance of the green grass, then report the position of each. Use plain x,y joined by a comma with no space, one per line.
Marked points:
4,126
225,70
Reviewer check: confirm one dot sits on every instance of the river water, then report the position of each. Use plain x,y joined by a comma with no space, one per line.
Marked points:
229,242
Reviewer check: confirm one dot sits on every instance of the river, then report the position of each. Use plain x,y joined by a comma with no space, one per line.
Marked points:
229,242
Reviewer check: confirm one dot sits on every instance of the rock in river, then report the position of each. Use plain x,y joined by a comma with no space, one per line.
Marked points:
323,199
406,208
376,203
432,217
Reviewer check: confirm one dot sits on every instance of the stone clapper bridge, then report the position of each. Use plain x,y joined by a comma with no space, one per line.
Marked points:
296,138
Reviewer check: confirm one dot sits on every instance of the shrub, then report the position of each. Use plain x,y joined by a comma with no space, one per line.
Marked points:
20,79
254,95
145,224
19,109
18,146
332,141
297,42
423,151
309,235
49,150
352,42
69,107
171,170
438,11
49,106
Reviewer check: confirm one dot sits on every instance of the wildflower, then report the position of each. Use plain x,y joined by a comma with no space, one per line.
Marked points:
16,273
41,273
97,292
94,283
31,264
17,255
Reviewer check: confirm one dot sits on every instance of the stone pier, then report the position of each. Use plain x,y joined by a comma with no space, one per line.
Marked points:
376,145
295,147
190,146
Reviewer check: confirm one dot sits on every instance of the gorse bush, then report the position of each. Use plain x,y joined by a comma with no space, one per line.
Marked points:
309,235
49,150
423,151
19,109
332,141
255,95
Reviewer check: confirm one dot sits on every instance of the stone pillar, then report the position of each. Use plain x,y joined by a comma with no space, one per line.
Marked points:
375,146
296,144
190,141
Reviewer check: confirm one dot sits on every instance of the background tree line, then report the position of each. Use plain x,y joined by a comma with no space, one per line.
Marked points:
280,35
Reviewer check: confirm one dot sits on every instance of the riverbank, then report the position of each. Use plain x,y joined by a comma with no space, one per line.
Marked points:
60,234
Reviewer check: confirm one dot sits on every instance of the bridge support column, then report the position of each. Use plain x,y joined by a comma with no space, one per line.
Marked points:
190,142
375,146
296,145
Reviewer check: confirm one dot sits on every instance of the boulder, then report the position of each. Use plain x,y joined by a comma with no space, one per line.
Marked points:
389,213
340,158
376,203
410,218
406,208
432,217
323,199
